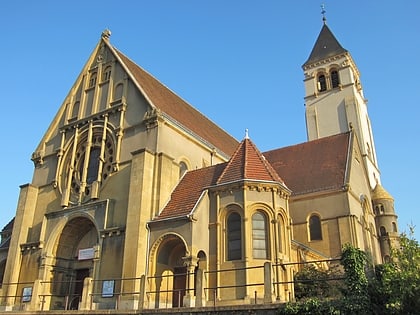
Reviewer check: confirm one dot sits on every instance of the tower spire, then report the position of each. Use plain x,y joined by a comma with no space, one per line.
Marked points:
324,18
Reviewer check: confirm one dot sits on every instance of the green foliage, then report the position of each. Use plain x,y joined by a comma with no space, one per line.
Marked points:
396,286
313,282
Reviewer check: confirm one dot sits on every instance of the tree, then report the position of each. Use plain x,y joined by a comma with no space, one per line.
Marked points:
396,286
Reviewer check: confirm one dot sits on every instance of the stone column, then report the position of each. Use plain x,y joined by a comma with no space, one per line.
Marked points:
85,303
190,262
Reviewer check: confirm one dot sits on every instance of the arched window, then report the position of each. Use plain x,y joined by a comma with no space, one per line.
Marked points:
106,74
315,232
182,168
394,227
280,232
92,80
322,83
234,237
382,230
259,236
335,80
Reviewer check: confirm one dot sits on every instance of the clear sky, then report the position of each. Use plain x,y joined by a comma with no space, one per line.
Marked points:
237,61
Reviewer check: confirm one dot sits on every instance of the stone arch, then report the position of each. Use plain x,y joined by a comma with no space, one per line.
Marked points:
168,275
73,245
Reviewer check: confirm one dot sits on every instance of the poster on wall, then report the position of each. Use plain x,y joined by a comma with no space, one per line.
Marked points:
27,294
108,288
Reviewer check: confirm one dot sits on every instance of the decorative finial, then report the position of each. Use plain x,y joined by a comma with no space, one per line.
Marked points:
324,19
106,34
246,134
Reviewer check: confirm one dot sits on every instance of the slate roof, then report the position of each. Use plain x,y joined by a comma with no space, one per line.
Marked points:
175,107
326,46
315,165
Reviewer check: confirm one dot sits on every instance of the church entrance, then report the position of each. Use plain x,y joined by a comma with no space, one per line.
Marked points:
180,280
169,282
74,255
76,297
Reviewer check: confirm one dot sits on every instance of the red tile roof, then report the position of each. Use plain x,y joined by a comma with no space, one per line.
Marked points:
313,166
248,163
307,167
188,192
175,107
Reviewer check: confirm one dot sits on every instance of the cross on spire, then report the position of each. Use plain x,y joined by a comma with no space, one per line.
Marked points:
324,18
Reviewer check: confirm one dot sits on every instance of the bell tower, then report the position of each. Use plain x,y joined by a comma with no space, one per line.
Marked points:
334,97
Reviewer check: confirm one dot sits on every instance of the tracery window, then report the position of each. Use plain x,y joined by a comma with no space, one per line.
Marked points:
234,236
259,236
315,232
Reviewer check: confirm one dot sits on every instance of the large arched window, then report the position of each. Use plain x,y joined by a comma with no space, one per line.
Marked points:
335,80
322,83
234,237
315,232
259,236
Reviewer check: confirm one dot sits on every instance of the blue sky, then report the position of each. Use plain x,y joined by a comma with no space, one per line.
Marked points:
237,61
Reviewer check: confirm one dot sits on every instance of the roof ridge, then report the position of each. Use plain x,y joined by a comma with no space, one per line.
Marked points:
178,109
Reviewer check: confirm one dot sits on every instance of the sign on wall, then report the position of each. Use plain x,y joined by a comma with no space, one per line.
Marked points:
86,253
108,288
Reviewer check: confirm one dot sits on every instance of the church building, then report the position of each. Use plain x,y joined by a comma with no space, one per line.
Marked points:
139,201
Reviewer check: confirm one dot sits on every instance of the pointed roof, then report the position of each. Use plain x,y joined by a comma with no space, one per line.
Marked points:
175,108
326,46
380,193
315,165
248,163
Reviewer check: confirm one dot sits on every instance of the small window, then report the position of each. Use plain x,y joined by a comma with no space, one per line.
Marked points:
106,74
315,232
92,80
259,236
322,83
182,168
234,236
335,81
382,230
394,227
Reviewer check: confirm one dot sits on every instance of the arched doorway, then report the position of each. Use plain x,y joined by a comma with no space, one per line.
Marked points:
75,250
170,274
